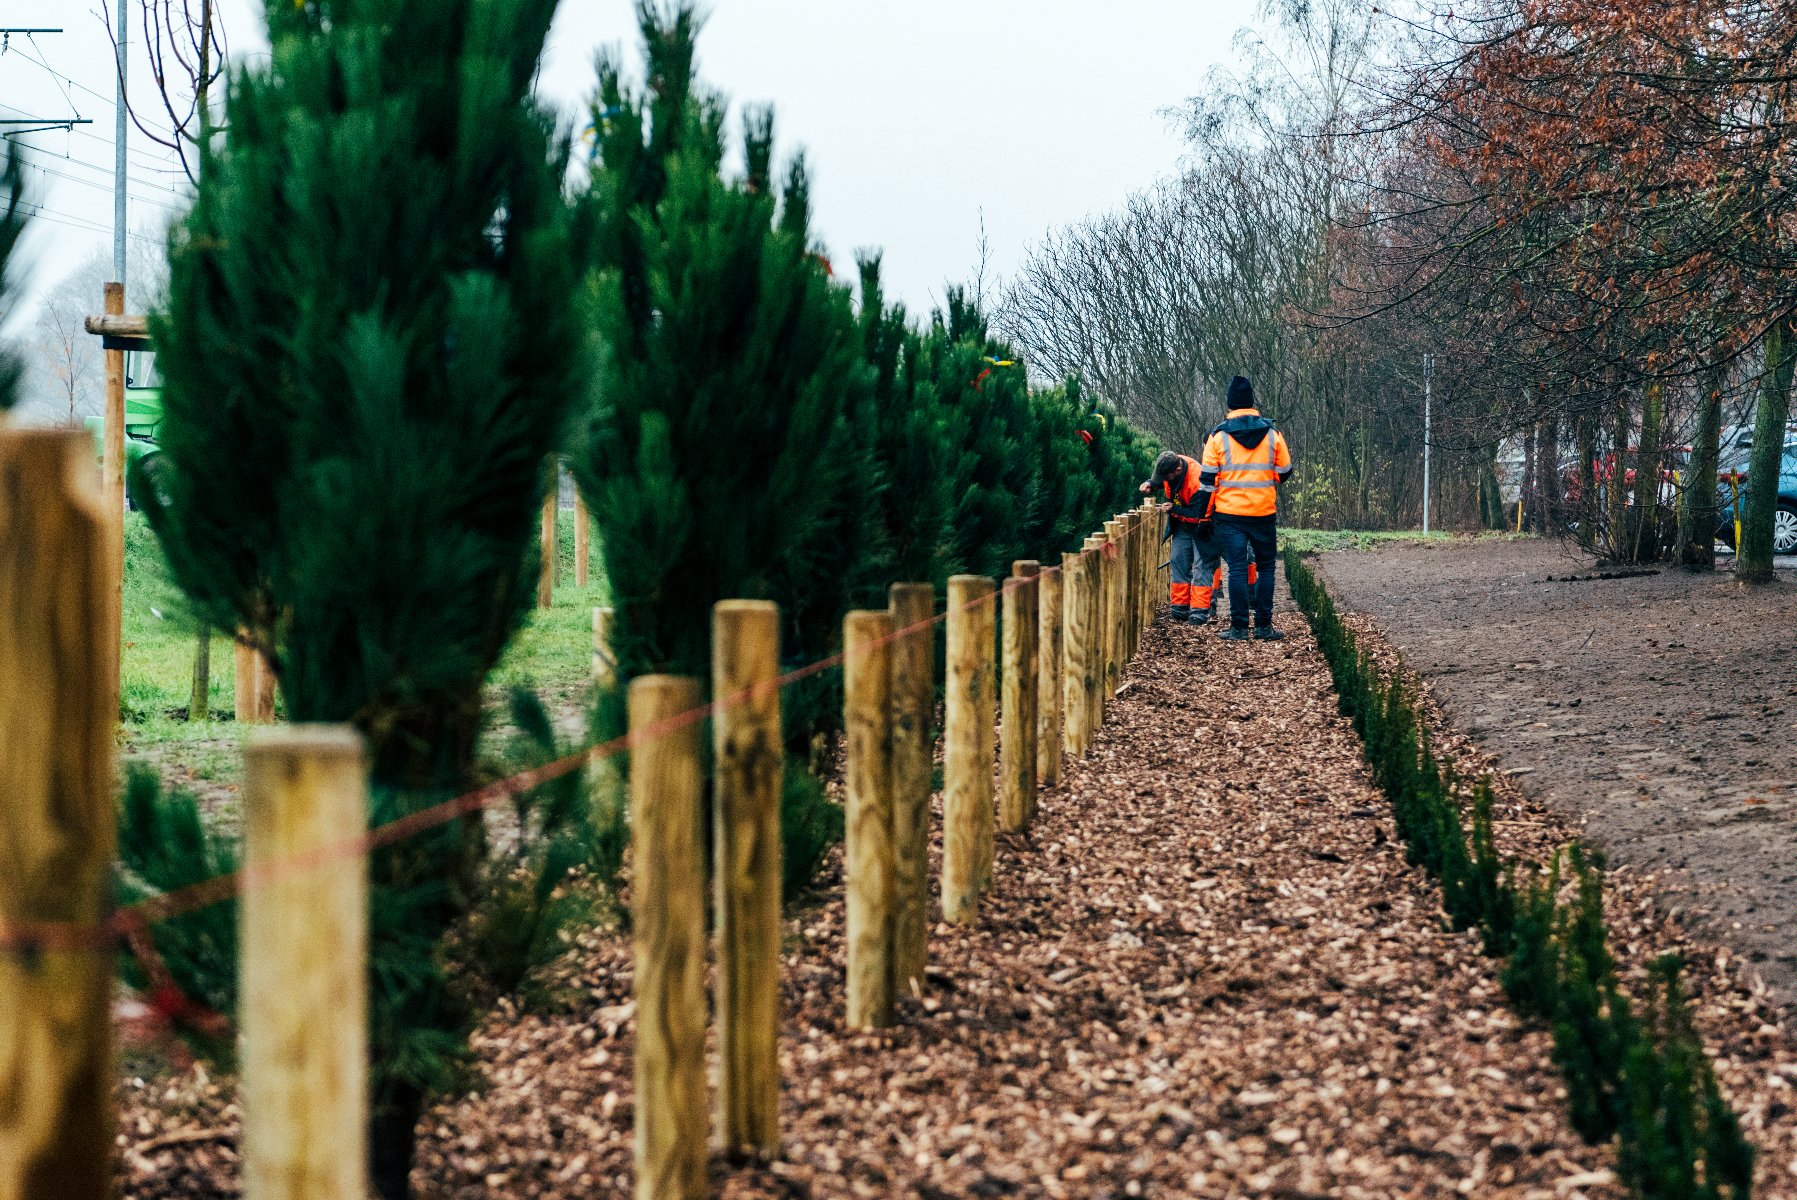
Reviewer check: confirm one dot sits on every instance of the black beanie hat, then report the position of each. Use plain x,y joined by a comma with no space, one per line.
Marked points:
1241,393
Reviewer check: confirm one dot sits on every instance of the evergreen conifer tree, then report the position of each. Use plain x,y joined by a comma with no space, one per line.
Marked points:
370,347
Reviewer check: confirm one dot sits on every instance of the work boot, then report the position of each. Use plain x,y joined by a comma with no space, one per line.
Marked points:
1266,633
1202,616
1181,613
1235,634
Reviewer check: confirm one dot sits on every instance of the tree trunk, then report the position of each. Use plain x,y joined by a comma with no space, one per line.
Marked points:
1547,475
1525,497
392,1137
1589,503
1753,558
1697,498
1646,543
199,699
1616,492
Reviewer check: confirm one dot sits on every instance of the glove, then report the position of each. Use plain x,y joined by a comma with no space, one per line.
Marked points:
1205,530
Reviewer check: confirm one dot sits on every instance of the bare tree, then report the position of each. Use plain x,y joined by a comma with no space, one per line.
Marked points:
184,42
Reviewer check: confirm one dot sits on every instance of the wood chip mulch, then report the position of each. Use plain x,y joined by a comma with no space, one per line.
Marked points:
1208,972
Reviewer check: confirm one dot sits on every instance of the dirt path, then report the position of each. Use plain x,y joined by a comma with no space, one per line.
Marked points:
1659,709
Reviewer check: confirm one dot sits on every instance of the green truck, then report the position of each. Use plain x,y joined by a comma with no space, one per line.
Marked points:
143,408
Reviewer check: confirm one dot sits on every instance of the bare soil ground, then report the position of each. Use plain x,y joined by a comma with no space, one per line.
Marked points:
1658,710
1207,973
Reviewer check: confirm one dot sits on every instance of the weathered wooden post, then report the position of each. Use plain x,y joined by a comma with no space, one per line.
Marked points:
546,580
913,702
1076,641
253,695
56,824
199,694
303,939
1114,601
1151,517
583,539
867,724
1017,741
605,666
967,745
1098,575
112,481
749,758
1049,586
668,939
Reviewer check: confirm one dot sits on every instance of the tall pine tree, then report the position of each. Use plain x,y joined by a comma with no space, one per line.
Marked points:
370,347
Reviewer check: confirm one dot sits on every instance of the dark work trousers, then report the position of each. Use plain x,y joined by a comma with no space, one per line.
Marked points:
1246,538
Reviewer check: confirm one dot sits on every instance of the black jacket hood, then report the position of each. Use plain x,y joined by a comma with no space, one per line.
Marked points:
1250,429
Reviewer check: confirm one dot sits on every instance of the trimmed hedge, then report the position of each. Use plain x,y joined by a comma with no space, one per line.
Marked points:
1635,1070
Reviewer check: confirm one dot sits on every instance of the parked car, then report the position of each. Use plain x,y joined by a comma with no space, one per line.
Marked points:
1784,523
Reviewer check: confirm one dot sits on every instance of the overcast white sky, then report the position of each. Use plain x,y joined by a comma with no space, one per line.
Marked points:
916,115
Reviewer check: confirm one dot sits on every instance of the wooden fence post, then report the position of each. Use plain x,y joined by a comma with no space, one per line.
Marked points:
303,935
867,724
1048,677
1128,560
1113,631
1097,574
967,745
1017,742
668,939
546,580
583,539
1151,519
605,666
1076,642
112,478
913,708
749,758
199,694
56,824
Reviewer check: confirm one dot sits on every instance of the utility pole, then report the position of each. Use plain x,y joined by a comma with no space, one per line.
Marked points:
1428,404
120,125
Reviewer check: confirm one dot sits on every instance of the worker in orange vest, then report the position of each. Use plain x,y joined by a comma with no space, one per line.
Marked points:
1245,461
1193,538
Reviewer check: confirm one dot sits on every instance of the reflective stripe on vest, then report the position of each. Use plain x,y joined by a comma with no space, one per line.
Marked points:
1234,467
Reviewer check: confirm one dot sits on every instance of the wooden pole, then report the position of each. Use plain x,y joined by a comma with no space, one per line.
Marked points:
1076,643
199,697
583,533
1114,615
1017,740
1151,517
1097,573
867,723
265,690
668,938
1049,586
967,744
749,756
56,824
546,580
245,688
605,665
112,476
913,705
303,933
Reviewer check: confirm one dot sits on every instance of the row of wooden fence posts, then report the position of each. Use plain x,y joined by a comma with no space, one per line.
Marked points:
302,1012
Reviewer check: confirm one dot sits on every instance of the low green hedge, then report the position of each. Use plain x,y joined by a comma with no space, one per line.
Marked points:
1634,1067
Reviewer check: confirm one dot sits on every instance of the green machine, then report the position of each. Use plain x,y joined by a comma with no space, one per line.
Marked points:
143,408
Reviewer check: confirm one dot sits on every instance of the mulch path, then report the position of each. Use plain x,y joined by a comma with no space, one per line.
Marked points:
1208,972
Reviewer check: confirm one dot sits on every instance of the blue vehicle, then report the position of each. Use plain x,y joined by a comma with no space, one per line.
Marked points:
1784,523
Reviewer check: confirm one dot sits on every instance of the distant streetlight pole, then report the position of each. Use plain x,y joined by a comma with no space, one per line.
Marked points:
1428,404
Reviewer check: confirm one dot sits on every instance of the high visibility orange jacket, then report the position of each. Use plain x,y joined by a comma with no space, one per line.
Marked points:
1245,461
1188,505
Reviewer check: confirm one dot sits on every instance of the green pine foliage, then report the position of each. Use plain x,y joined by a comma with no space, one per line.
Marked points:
1642,1080
371,346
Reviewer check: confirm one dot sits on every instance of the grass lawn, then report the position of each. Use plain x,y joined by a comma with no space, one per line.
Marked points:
551,655
1317,541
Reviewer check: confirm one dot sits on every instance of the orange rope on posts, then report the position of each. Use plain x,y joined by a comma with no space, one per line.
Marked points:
546,580
56,823
967,745
583,533
1114,650
112,478
1076,648
304,950
913,708
668,939
1048,678
1017,740
1098,574
750,757
867,741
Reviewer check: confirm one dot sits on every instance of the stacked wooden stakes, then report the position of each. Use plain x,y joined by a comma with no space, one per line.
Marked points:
1068,632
